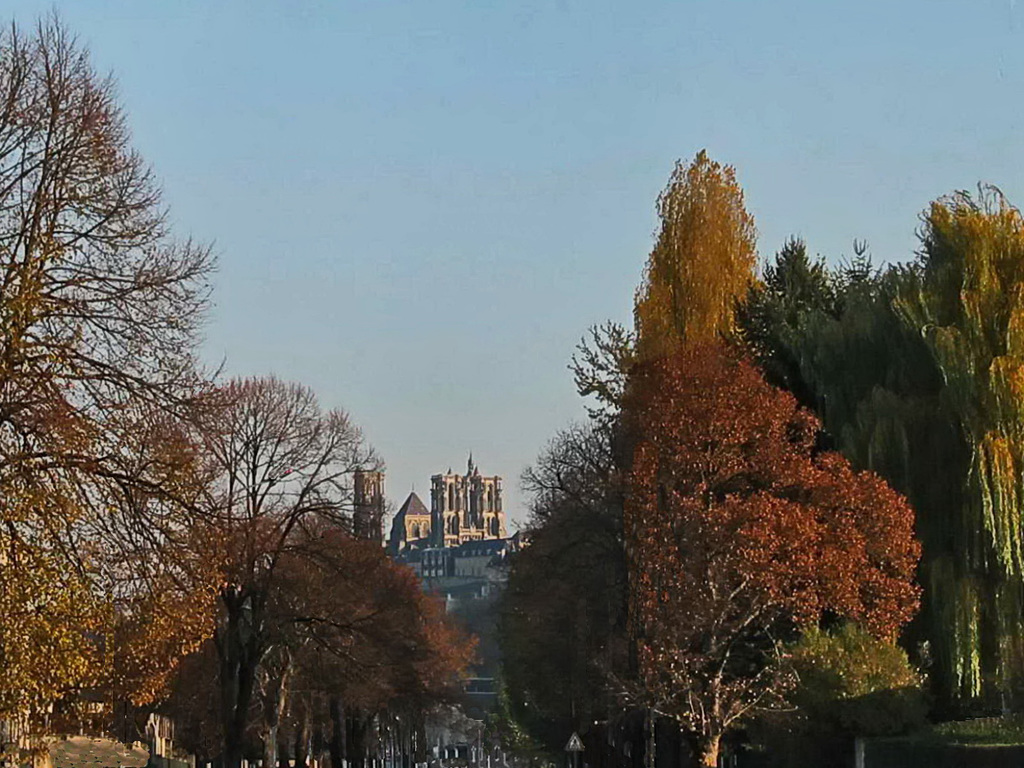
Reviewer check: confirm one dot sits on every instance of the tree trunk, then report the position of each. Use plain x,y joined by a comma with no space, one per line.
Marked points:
419,737
707,750
270,745
273,707
356,739
338,740
237,651
302,737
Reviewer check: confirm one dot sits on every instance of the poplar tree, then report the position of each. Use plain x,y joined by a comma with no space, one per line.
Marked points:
702,262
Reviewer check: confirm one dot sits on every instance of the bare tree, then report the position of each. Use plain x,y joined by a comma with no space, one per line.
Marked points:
284,466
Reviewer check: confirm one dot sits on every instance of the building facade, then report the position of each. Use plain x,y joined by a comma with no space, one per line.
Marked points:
463,508
460,550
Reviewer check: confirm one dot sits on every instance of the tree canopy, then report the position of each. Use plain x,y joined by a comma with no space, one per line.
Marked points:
99,317
738,532
702,262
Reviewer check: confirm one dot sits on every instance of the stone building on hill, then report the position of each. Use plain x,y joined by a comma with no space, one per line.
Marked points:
463,508
411,526
460,550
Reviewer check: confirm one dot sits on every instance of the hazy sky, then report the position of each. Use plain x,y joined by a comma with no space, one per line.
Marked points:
419,207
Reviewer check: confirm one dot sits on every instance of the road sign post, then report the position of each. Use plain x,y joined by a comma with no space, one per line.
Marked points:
575,749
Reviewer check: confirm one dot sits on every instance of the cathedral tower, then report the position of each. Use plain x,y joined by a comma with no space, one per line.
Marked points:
368,513
465,507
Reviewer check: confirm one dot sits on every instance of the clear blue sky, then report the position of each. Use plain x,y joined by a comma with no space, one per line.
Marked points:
419,207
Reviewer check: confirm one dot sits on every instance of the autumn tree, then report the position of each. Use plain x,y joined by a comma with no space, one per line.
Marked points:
99,318
702,262
350,636
965,299
739,533
912,369
376,645
562,623
283,466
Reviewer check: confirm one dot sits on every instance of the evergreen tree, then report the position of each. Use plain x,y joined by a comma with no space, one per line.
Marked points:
914,372
794,290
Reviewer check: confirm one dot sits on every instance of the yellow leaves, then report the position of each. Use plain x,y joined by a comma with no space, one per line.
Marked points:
52,632
850,663
702,262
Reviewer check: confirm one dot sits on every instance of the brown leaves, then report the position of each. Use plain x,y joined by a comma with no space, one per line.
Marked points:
737,529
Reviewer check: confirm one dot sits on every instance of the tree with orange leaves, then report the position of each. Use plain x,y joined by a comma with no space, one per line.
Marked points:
283,467
349,635
739,532
363,638
100,319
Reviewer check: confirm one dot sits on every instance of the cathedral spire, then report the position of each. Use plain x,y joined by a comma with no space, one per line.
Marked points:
469,466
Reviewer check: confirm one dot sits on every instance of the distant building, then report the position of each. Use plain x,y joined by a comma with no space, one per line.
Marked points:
368,512
463,508
460,550
470,578
411,526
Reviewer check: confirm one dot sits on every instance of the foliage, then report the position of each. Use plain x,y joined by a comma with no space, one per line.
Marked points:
982,730
878,392
99,318
504,728
283,467
847,664
850,684
47,636
702,262
967,300
737,530
772,319
600,370
913,369
368,631
562,620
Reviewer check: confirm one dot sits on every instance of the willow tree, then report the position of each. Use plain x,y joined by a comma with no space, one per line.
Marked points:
966,299
702,263
915,373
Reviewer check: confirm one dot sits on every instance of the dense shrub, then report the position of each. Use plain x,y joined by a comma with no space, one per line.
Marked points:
850,684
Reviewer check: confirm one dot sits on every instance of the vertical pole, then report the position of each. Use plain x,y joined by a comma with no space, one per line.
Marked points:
651,745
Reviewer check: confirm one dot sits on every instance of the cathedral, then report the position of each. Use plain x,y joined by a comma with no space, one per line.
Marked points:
368,498
463,508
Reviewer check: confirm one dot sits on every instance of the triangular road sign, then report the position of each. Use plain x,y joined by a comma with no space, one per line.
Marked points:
575,743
